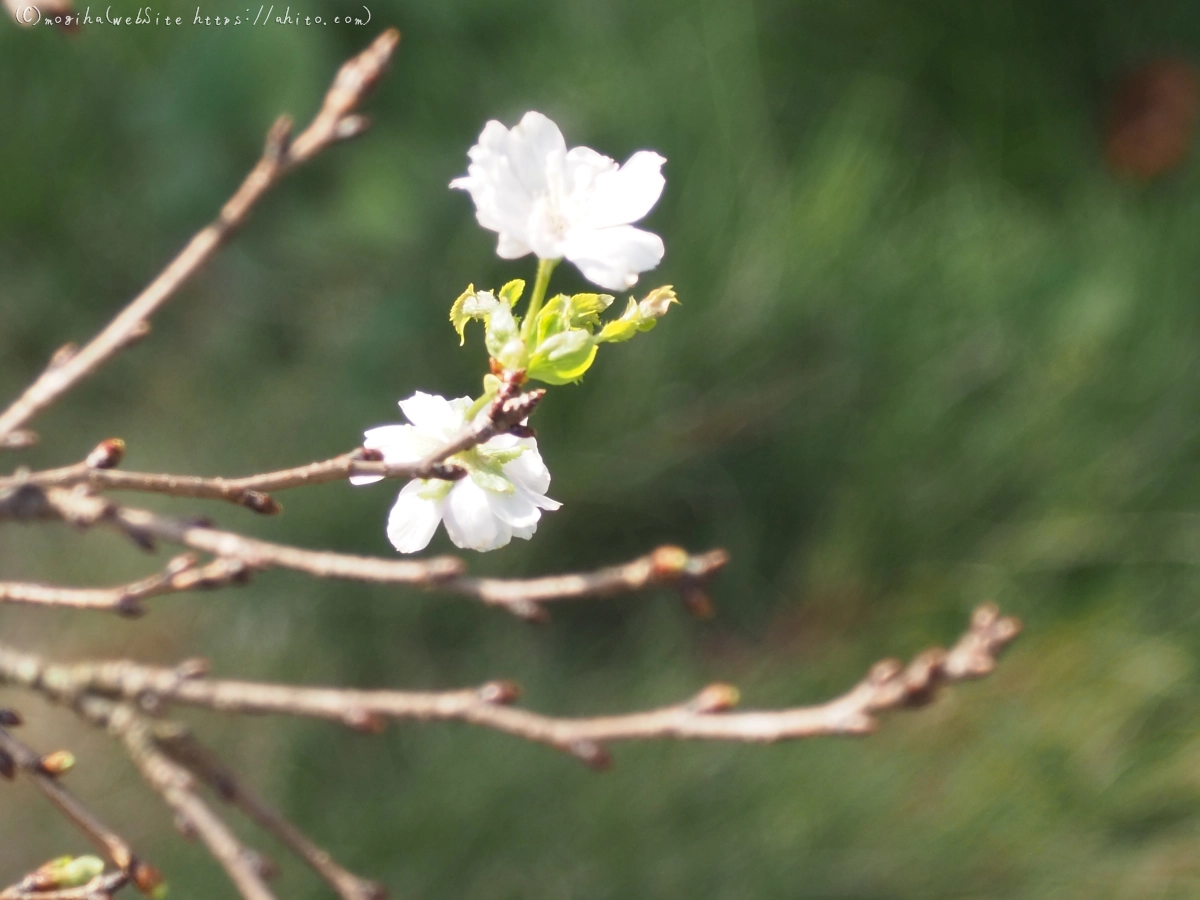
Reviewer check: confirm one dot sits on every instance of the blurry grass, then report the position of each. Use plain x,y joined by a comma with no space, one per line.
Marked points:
930,353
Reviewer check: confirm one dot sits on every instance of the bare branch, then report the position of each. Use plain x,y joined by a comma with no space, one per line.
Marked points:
144,527
177,788
183,573
889,685
18,440
178,743
335,122
666,566
98,471
45,776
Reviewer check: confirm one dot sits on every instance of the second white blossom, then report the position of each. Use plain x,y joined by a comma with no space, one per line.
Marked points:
502,496
557,203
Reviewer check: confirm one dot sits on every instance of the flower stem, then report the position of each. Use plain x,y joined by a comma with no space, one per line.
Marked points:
545,267
484,399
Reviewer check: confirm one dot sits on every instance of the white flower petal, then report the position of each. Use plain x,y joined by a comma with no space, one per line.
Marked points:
432,414
516,510
511,247
627,194
613,257
582,170
398,444
525,533
413,519
469,519
541,198
535,144
528,471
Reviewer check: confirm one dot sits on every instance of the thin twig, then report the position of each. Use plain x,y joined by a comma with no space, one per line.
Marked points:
183,573
34,766
889,685
177,788
336,121
144,527
99,473
18,440
666,566
179,744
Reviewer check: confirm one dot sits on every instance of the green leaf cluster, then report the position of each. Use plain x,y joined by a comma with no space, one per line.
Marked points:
559,345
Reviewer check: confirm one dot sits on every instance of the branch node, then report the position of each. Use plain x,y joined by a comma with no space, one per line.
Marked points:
279,139
192,669
63,355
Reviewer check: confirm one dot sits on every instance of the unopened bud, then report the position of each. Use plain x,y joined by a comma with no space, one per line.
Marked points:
715,698
364,720
500,692
190,669
10,718
57,763
107,455
351,126
149,880
63,355
266,868
655,304
697,602
668,562
884,671
261,503
593,755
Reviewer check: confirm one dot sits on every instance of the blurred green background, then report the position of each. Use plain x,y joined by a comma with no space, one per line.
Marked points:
931,352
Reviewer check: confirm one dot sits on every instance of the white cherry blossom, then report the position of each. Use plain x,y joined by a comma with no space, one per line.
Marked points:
502,496
545,199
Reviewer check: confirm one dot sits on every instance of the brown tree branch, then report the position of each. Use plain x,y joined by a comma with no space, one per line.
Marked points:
183,573
179,744
16,756
177,788
143,527
666,566
336,121
98,471
889,685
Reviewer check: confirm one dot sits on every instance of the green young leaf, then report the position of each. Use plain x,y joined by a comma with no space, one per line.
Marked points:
459,318
551,319
563,358
512,291
471,304
69,872
584,309
624,328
